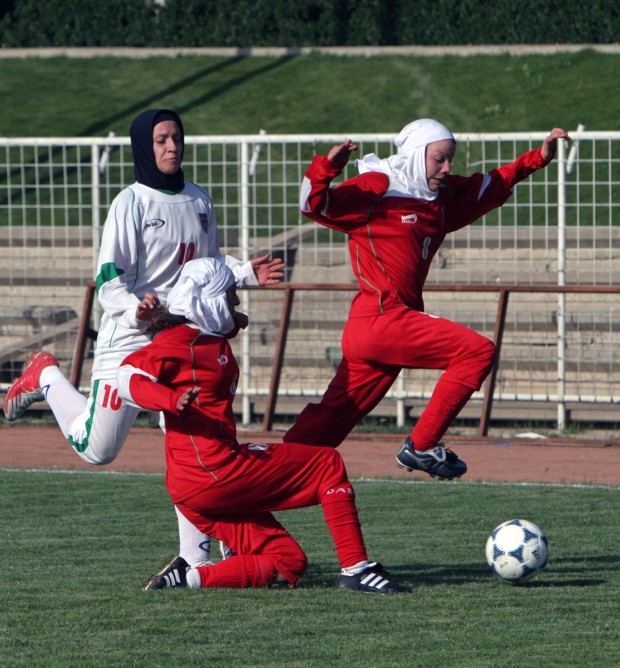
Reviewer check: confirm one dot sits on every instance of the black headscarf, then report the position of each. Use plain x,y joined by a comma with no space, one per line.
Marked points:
145,169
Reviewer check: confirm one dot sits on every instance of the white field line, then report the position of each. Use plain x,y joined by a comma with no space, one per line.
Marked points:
448,486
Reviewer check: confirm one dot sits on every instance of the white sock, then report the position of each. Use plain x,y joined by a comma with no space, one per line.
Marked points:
354,570
193,579
194,546
65,401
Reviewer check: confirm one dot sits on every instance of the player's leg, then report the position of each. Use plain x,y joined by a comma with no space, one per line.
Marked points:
194,546
99,432
96,426
353,393
337,498
418,340
267,554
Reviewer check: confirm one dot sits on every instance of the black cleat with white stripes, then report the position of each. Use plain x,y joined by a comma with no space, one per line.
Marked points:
173,574
374,578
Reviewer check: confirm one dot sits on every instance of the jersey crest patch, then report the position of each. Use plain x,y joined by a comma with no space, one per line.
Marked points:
204,221
411,219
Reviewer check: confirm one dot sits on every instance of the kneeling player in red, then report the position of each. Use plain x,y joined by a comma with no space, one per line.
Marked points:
225,488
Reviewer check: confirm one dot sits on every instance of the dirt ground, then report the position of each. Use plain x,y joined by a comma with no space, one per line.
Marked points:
588,462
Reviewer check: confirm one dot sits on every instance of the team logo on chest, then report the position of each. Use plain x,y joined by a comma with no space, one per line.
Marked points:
409,219
204,221
154,224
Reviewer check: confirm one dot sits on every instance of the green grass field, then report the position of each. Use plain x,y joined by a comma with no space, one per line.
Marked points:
76,546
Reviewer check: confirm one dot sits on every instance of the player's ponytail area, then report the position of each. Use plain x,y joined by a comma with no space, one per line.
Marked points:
72,565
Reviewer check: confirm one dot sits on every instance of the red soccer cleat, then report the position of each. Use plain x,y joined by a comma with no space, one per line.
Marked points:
26,389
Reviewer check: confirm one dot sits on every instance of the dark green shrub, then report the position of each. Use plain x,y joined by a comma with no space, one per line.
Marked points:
290,23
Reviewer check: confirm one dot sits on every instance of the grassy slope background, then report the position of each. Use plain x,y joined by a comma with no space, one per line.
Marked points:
310,93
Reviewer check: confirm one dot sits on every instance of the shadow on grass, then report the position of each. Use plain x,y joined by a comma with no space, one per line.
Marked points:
197,81
463,574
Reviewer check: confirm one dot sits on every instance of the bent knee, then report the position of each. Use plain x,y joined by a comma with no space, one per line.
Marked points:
97,459
95,450
488,351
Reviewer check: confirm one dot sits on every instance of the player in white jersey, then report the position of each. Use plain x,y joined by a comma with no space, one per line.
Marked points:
153,228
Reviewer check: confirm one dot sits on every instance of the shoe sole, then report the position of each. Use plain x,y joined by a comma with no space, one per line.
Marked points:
146,585
374,590
26,399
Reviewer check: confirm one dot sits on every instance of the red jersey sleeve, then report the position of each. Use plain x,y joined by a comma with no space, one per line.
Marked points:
521,168
344,206
151,395
473,196
138,382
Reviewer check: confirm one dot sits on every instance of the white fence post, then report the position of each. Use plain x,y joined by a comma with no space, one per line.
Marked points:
244,242
96,221
561,343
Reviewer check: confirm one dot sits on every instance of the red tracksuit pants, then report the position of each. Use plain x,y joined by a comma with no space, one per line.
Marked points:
237,509
375,349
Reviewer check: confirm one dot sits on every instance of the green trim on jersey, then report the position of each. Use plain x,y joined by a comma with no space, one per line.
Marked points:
81,446
109,271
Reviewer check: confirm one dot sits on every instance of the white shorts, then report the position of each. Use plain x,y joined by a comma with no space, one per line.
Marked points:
99,433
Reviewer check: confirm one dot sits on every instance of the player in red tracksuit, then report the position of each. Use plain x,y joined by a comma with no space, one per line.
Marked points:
225,488
396,213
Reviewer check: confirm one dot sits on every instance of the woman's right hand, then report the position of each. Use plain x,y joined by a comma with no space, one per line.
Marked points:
339,154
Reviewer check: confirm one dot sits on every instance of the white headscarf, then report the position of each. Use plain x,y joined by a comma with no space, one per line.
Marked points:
200,295
407,169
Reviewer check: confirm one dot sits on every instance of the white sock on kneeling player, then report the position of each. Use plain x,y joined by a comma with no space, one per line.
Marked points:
193,579
194,546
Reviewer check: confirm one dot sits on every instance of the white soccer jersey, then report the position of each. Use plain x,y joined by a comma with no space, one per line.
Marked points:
147,238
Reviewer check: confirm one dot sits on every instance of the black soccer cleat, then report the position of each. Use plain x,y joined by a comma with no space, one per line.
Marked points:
374,579
438,463
173,574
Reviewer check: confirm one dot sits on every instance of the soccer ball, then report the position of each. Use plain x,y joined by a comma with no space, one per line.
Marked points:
517,550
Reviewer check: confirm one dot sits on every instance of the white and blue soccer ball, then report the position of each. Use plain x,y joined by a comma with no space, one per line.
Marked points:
517,550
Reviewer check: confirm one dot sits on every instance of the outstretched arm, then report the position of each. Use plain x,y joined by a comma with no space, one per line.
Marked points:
529,162
481,193
346,205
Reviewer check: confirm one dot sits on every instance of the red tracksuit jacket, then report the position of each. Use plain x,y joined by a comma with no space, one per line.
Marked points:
203,439
392,240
